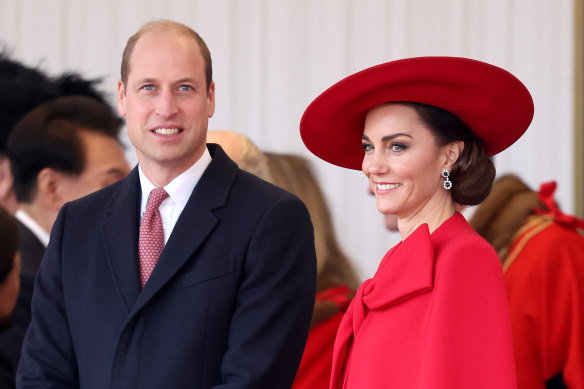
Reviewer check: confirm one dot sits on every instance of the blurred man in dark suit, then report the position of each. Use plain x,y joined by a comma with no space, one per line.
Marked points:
60,151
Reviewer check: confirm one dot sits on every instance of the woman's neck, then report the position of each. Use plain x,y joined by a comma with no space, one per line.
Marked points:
435,212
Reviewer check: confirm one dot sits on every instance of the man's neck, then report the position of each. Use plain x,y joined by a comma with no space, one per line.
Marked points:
161,174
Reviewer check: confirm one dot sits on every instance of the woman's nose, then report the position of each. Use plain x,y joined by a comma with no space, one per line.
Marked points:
375,164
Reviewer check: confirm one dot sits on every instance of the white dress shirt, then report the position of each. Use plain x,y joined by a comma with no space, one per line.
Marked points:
179,191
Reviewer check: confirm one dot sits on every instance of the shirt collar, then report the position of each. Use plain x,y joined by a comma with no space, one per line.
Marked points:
180,188
42,235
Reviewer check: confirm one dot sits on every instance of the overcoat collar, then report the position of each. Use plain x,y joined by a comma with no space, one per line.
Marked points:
120,230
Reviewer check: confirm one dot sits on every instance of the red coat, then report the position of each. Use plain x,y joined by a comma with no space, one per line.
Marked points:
434,316
545,286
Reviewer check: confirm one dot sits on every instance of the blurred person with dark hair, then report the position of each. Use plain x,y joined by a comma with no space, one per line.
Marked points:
22,88
9,286
542,253
60,151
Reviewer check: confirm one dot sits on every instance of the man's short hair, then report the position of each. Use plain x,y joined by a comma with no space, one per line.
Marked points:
23,88
48,137
166,25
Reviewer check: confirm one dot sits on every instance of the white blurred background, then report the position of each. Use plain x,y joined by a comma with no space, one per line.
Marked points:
272,57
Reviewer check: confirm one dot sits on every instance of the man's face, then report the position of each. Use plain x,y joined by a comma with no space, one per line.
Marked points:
104,164
166,102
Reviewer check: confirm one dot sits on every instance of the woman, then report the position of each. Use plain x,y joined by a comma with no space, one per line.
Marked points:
336,281
434,315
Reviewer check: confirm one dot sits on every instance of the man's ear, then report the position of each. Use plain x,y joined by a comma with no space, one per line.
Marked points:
452,152
6,179
47,190
121,99
211,99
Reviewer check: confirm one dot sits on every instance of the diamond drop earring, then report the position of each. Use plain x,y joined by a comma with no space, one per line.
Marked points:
447,183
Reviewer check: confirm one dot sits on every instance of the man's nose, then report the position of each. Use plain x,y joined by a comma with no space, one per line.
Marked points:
166,105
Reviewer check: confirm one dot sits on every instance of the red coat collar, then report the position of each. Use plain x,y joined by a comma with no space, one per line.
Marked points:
406,271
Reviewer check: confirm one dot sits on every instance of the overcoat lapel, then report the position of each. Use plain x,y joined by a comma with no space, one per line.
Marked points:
120,238
194,224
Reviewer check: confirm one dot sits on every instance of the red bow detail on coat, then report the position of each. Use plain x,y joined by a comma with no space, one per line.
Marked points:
407,270
546,195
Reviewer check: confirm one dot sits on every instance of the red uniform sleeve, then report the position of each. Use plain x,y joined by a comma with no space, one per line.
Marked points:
545,287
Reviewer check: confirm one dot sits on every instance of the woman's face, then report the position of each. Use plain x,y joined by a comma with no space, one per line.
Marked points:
9,289
402,160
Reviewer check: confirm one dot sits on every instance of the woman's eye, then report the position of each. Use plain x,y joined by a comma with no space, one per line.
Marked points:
366,147
397,147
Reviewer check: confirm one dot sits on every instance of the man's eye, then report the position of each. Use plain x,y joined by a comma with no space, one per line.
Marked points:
186,88
148,87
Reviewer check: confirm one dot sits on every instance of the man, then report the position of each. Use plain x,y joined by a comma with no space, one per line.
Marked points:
22,88
60,151
225,303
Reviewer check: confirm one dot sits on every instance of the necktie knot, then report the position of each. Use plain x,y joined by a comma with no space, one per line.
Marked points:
156,197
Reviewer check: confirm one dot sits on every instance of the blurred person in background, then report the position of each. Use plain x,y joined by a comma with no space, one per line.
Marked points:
542,252
9,286
62,150
22,88
242,151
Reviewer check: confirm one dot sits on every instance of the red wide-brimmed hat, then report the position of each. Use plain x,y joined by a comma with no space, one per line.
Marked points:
492,102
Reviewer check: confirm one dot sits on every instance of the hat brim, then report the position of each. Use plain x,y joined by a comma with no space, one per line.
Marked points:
492,102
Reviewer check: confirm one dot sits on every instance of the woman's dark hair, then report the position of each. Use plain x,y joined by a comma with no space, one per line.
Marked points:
472,175
8,242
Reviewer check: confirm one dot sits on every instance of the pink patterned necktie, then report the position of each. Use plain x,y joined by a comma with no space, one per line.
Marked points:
151,240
